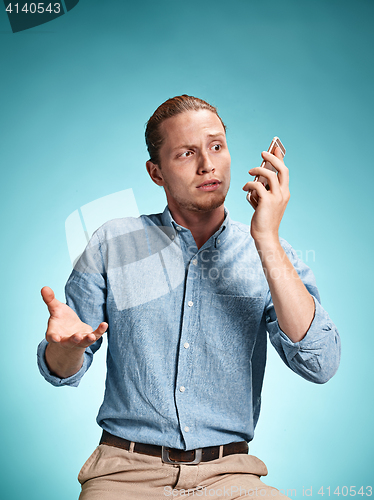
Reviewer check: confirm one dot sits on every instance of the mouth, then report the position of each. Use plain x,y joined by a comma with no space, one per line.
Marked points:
209,185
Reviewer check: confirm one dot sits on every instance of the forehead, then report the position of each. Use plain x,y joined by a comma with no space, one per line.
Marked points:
190,127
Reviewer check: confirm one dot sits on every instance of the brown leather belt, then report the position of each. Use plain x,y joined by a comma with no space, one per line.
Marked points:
174,456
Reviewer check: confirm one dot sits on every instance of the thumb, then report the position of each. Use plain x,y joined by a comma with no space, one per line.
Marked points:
49,298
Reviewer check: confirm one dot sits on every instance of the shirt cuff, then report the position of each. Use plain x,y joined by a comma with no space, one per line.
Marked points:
72,381
315,337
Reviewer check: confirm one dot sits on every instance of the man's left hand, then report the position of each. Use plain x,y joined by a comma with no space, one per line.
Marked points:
269,204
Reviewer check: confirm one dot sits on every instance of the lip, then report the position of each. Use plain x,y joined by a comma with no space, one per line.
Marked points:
209,185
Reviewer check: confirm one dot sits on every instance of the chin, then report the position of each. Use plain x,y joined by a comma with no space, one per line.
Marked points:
208,205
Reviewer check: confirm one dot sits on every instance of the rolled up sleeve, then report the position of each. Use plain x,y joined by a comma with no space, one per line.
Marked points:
317,356
72,381
86,294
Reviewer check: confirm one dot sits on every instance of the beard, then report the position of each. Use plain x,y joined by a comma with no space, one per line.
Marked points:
212,201
205,206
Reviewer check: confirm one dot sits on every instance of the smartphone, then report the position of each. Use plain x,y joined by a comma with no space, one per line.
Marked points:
276,142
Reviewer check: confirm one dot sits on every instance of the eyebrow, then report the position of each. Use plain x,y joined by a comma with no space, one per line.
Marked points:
212,136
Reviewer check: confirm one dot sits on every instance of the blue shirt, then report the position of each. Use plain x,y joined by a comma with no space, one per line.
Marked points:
187,331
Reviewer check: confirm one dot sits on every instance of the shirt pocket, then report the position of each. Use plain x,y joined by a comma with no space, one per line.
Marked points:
229,325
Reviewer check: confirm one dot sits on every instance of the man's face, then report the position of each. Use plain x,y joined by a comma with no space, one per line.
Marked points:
195,161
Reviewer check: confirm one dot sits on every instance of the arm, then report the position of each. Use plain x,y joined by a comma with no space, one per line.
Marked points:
293,304
67,351
67,337
316,357
299,328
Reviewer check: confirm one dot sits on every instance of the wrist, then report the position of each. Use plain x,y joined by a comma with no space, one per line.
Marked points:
267,243
63,362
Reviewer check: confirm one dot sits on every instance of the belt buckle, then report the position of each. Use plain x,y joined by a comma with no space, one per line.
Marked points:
165,457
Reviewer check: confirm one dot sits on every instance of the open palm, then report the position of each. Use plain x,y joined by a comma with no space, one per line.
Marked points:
65,327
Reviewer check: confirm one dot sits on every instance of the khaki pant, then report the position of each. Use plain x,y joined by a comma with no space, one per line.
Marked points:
114,474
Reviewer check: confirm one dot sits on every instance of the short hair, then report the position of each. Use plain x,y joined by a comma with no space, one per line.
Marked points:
171,107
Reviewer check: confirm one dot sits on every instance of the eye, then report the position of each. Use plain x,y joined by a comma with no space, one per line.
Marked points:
186,154
216,147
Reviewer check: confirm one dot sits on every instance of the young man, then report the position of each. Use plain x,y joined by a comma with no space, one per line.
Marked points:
187,297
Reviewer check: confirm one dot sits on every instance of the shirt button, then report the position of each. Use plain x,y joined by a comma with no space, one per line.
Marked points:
194,262
187,429
190,303
182,388
186,345
172,236
218,241
179,229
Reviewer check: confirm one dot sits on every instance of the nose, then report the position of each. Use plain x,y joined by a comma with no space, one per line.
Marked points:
205,164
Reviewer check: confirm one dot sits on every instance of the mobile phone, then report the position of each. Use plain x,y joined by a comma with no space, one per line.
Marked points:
276,142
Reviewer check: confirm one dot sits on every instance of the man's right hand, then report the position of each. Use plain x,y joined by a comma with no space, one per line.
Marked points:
67,336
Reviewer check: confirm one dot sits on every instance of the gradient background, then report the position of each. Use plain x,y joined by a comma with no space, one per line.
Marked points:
75,96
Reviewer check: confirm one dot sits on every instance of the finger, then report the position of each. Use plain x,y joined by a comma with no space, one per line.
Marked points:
251,172
53,338
270,176
85,339
274,160
47,294
78,340
100,330
252,199
277,161
257,189
248,185
278,153
49,299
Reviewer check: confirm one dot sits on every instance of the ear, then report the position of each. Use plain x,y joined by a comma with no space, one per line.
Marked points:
155,173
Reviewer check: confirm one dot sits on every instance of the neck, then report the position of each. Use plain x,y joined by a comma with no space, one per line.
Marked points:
201,224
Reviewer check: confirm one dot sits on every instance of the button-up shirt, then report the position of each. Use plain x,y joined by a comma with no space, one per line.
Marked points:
187,332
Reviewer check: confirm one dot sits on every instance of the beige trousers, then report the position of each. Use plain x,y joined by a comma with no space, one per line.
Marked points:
114,474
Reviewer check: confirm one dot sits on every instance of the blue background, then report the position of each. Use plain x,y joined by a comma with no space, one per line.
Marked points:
75,96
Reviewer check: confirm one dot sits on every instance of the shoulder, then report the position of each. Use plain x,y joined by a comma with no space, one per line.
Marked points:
242,234
118,227
291,253
240,227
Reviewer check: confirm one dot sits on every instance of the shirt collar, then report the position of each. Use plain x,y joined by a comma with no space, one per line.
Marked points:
217,238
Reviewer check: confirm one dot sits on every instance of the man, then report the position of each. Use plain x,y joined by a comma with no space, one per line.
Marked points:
187,297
